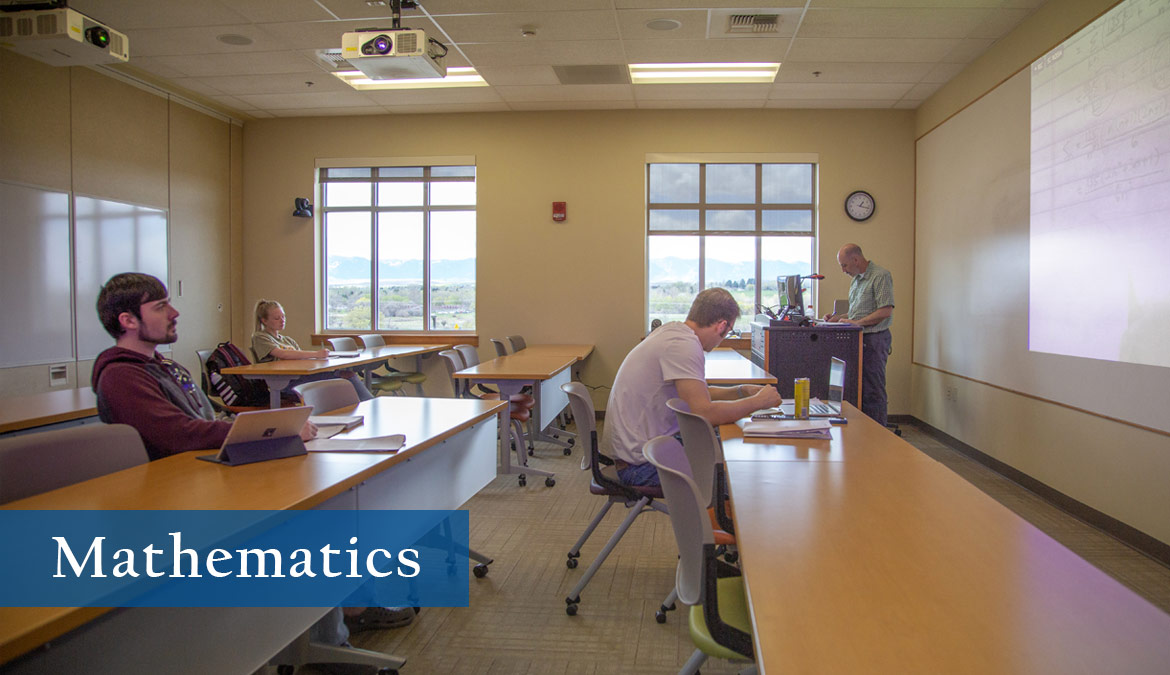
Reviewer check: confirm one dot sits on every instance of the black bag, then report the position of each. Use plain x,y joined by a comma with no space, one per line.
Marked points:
233,389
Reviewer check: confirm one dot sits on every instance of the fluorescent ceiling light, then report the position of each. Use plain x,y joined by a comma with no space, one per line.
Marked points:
708,73
456,77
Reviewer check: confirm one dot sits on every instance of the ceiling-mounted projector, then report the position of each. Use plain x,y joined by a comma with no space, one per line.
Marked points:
62,37
400,54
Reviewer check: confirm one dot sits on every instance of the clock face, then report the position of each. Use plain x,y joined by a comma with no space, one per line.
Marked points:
859,205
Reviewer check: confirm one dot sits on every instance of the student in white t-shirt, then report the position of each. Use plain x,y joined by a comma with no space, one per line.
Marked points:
668,364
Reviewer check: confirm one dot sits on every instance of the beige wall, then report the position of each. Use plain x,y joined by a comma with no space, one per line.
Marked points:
75,129
582,280
1115,468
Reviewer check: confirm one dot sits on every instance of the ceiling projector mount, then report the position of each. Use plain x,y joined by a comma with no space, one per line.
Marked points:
395,53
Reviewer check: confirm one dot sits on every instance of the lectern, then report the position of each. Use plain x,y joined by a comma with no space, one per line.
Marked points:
788,351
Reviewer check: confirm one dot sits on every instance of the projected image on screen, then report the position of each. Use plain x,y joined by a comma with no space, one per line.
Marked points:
1100,190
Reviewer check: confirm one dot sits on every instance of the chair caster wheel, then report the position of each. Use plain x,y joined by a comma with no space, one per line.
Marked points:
549,482
571,610
480,571
530,452
285,670
568,451
571,563
731,557
660,616
572,441
523,480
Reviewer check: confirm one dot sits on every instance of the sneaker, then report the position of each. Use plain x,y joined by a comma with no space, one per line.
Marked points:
378,618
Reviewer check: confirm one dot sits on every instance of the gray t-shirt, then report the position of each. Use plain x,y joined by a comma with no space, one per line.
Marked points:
645,381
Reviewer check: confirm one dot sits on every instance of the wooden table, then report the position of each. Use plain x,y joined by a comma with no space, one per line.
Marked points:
279,373
545,374
727,366
863,555
18,413
449,456
579,352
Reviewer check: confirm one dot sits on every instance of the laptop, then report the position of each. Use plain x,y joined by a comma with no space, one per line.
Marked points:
263,434
829,408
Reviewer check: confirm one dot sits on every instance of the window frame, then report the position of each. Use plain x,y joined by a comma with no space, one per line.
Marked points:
758,207
427,165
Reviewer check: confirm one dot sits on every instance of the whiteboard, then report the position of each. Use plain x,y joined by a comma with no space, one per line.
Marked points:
110,238
35,288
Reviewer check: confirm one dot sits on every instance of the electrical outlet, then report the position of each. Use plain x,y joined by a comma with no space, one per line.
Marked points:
955,393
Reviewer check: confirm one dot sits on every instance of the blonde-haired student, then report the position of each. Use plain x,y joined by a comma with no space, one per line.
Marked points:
269,345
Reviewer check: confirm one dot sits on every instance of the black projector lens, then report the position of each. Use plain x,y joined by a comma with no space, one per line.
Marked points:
97,36
379,45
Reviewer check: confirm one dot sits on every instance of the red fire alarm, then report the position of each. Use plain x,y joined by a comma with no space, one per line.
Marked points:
559,212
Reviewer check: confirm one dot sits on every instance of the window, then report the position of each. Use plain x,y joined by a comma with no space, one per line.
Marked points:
734,225
407,232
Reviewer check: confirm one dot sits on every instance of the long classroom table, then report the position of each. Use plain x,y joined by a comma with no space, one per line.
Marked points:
727,367
279,373
20,413
449,456
863,555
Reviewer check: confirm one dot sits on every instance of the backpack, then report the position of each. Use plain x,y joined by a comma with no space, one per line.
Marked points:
233,389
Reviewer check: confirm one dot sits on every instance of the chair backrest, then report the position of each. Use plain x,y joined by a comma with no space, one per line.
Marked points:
517,343
203,355
327,395
702,447
688,517
46,460
470,355
501,350
341,344
453,361
581,404
372,340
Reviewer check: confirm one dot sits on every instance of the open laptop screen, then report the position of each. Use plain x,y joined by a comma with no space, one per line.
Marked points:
836,382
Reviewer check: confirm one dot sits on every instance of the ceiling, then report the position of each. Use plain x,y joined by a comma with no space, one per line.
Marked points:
834,53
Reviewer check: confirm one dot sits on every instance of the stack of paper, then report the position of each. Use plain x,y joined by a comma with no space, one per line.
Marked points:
391,443
814,428
331,425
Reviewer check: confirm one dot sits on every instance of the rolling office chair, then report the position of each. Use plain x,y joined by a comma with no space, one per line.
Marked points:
638,499
325,396
34,463
705,454
453,361
409,377
720,622
471,358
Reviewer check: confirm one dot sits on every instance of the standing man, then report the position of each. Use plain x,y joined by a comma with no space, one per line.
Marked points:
670,363
871,305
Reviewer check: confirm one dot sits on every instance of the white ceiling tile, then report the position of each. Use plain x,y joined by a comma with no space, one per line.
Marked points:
197,86
708,92
155,66
908,104
922,91
830,103
200,40
702,4
943,72
632,24
265,11
439,7
567,53
251,63
276,83
417,109
261,114
328,112
126,15
234,103
562,92
937,4
891,23
893,50
319,99
327,34
519,75
999,22
697,104
595,25
795,71
967,51
706,51
396,97
839,91
572,105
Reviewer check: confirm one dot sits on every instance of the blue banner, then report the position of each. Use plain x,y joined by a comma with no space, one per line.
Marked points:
233,558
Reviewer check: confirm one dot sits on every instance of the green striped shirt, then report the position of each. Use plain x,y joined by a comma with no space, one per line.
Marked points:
870,291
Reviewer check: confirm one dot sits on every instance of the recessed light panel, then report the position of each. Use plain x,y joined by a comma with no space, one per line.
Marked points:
456,77
705,73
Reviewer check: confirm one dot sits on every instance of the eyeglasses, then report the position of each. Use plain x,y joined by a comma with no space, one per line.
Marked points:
730,330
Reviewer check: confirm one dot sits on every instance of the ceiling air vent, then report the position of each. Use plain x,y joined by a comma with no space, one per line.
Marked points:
592,74
331,60
753,23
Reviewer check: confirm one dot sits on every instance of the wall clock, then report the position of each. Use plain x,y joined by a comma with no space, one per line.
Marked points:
859,205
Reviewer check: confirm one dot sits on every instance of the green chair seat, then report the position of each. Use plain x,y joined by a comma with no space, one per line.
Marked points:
733,609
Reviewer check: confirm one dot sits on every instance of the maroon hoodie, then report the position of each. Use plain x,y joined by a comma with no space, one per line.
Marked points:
159,399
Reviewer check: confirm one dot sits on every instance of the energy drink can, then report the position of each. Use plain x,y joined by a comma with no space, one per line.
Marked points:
800,395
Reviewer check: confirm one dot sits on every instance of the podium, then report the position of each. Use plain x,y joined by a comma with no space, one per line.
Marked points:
788,351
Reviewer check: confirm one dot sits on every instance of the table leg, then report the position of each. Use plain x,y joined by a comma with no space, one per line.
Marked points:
507,389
